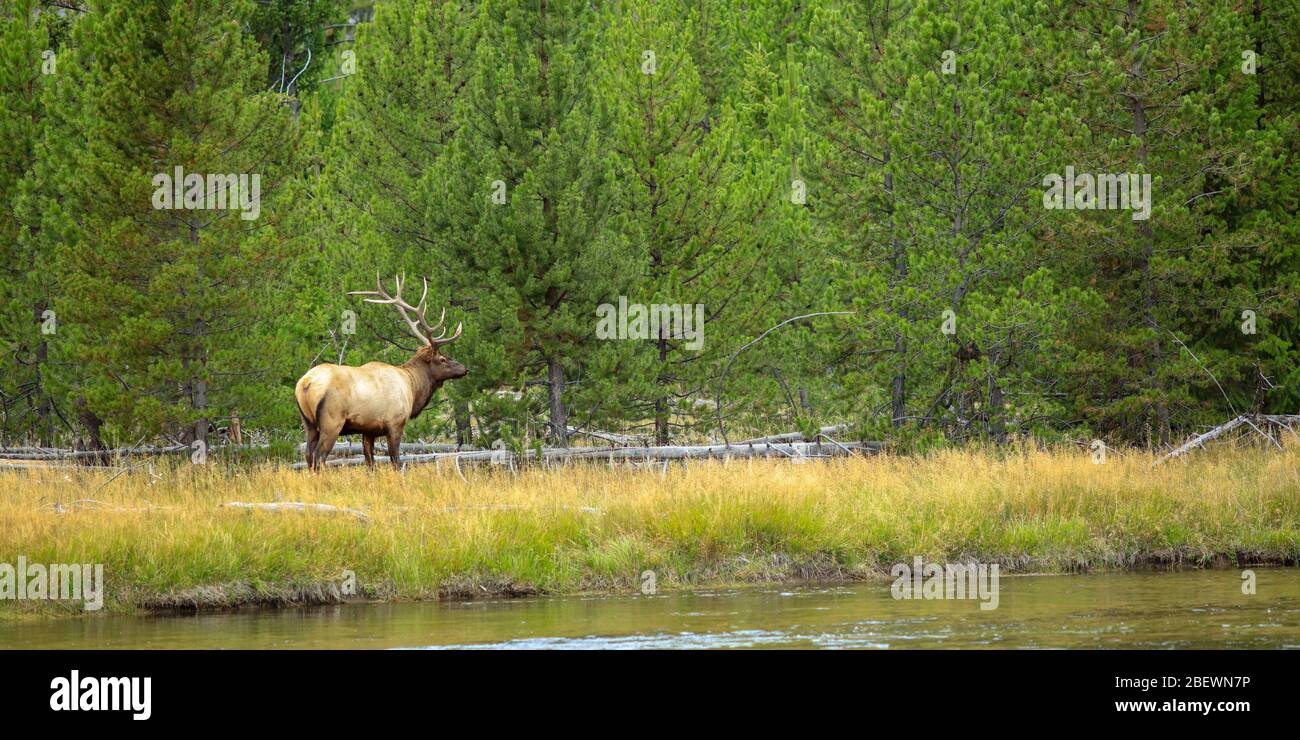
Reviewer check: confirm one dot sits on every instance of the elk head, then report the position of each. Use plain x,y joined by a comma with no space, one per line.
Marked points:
429,358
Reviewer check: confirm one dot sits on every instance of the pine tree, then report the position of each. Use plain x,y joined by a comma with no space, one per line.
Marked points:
937,138
167,310
1161,94
692,202
540,161
522,203
29,57
788,379
295,35
855,194
1270,210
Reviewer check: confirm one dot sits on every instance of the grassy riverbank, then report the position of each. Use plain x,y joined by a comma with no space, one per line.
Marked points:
167,541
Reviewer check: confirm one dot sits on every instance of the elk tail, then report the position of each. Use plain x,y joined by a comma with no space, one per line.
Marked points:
320,406
300,400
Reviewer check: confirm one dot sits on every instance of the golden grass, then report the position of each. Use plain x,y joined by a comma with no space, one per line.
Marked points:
586,527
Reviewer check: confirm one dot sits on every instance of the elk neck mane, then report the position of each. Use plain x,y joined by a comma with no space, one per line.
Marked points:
422,383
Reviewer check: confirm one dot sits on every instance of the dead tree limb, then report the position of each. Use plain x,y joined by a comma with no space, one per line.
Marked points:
795,436
296,506
722,377
1199,440
1283,420
610,454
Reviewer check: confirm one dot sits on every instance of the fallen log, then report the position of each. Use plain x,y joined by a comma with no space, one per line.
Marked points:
612,438
1279,419
794,436
344,448
296,506
85,454
791,450
1201,439
34,465
718,451
91,504
354,448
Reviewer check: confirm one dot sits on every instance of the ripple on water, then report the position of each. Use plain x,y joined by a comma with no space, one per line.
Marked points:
1167,610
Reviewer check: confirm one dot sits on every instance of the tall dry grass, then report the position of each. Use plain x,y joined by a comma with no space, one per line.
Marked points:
167,541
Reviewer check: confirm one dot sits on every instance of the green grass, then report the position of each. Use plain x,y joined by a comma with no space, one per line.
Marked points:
168,542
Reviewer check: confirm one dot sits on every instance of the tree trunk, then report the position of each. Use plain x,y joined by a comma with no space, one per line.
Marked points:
464,430
661,401
201,404
1160,434
997,423
559,419
199,384
44,408
898,385
287,48
92,441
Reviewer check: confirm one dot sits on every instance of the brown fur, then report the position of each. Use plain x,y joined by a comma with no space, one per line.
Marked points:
372,400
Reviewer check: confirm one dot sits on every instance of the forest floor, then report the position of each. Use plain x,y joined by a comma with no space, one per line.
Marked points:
167,538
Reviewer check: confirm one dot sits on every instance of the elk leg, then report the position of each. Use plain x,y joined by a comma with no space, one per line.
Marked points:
394,445
313,438
368,449
326,445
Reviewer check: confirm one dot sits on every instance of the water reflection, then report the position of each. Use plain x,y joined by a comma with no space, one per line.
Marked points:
1191,609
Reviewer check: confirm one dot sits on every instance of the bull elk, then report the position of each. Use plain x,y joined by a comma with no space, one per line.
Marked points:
376,398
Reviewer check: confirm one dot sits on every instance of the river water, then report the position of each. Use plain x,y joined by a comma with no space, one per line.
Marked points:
1186,609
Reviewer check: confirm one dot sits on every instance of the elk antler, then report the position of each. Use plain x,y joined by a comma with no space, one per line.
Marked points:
402,307
442,338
